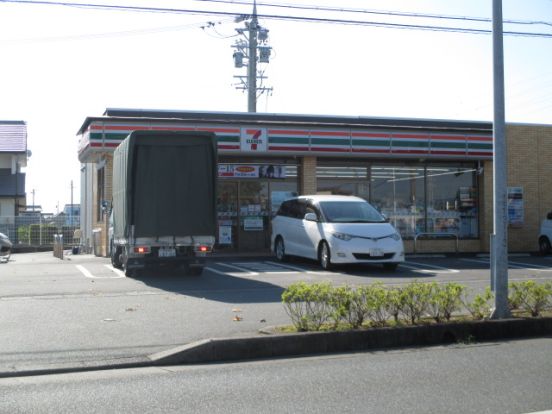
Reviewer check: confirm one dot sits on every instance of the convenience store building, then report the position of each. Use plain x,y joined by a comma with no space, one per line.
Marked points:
431,178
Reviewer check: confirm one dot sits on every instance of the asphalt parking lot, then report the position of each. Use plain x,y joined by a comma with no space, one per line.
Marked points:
56,311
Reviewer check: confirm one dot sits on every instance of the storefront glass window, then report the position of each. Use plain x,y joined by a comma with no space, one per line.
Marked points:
398,192
452,200
416,197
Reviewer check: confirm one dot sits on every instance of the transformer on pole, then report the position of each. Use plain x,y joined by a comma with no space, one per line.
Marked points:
250,50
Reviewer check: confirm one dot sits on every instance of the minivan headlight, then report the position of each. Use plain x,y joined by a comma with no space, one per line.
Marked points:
342,236
396,236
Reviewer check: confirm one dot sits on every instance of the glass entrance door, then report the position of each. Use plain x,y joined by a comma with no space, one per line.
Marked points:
227,215
254,216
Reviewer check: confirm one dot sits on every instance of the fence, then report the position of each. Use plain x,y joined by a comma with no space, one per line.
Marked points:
34,232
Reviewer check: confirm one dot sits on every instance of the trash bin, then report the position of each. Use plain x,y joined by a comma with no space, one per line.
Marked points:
97,242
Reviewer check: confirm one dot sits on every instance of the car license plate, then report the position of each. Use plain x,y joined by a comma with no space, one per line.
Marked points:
375,252
167,252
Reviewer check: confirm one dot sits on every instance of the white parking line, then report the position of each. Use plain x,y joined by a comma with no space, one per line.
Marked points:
241,269
299,269
116,271
514,265
89,275
419,267
533,266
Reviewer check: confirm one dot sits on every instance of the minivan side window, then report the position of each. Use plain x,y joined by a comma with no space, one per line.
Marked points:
298,209
285,209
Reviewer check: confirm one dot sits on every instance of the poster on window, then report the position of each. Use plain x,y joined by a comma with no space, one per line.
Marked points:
225,234
515,206
253,223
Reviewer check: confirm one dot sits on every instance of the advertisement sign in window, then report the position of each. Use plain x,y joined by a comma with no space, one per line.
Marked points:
515,206
251,171
253,223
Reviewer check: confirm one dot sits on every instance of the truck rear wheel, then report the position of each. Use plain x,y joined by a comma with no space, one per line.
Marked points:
116,257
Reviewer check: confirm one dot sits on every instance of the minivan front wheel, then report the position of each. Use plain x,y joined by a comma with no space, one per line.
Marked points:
544,245
280,250
324,256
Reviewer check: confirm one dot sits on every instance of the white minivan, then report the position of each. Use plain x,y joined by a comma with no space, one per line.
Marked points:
333,230
545,236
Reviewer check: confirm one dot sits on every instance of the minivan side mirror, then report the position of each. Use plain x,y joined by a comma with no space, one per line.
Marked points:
310,217
549,216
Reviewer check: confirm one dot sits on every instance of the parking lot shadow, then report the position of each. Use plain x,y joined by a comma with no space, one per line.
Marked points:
211,286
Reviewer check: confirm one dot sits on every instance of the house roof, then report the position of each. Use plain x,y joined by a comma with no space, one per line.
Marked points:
13,136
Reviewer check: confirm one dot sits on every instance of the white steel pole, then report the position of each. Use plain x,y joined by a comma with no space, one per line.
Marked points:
499,252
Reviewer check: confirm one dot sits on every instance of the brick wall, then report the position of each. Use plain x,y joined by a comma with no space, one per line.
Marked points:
307,184
529,149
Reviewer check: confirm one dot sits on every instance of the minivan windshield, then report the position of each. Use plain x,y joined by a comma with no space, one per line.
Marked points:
350,212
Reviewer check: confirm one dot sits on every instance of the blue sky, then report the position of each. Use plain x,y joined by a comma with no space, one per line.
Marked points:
62,64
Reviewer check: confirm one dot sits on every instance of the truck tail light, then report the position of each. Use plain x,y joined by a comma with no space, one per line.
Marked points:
142,249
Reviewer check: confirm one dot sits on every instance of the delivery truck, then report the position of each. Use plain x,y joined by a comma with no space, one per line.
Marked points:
163,210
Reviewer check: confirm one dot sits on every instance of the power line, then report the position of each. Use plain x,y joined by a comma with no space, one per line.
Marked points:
281,17
379,12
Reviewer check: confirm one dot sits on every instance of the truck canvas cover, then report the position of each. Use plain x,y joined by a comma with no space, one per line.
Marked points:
164,184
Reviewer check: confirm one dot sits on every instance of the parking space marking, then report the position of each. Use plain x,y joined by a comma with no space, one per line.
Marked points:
116,271
419,267
302,270
89,275
514,265
241,269
533,266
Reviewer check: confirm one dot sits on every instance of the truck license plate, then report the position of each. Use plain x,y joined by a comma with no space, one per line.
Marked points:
167,252
376,252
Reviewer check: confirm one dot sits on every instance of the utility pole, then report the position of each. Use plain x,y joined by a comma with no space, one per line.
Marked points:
499,240
71,206
254,49
252,67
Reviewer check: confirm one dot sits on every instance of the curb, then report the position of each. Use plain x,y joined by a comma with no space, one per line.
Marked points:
285,345
312,343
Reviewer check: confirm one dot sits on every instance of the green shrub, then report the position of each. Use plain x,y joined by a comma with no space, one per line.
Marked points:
530,296
378,303
24,234
395,302
479,307
308,306
340,302
445,300
415,299
359,306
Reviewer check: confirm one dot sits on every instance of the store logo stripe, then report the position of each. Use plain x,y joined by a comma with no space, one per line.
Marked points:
479,138
411,136
480,146
329,141
408,151
449,145
287,140
372,150
287,148
401,143
329,149
344,134
481,154
369,135
371,143
287,132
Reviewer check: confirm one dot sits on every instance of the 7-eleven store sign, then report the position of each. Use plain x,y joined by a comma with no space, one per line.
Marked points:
253,140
